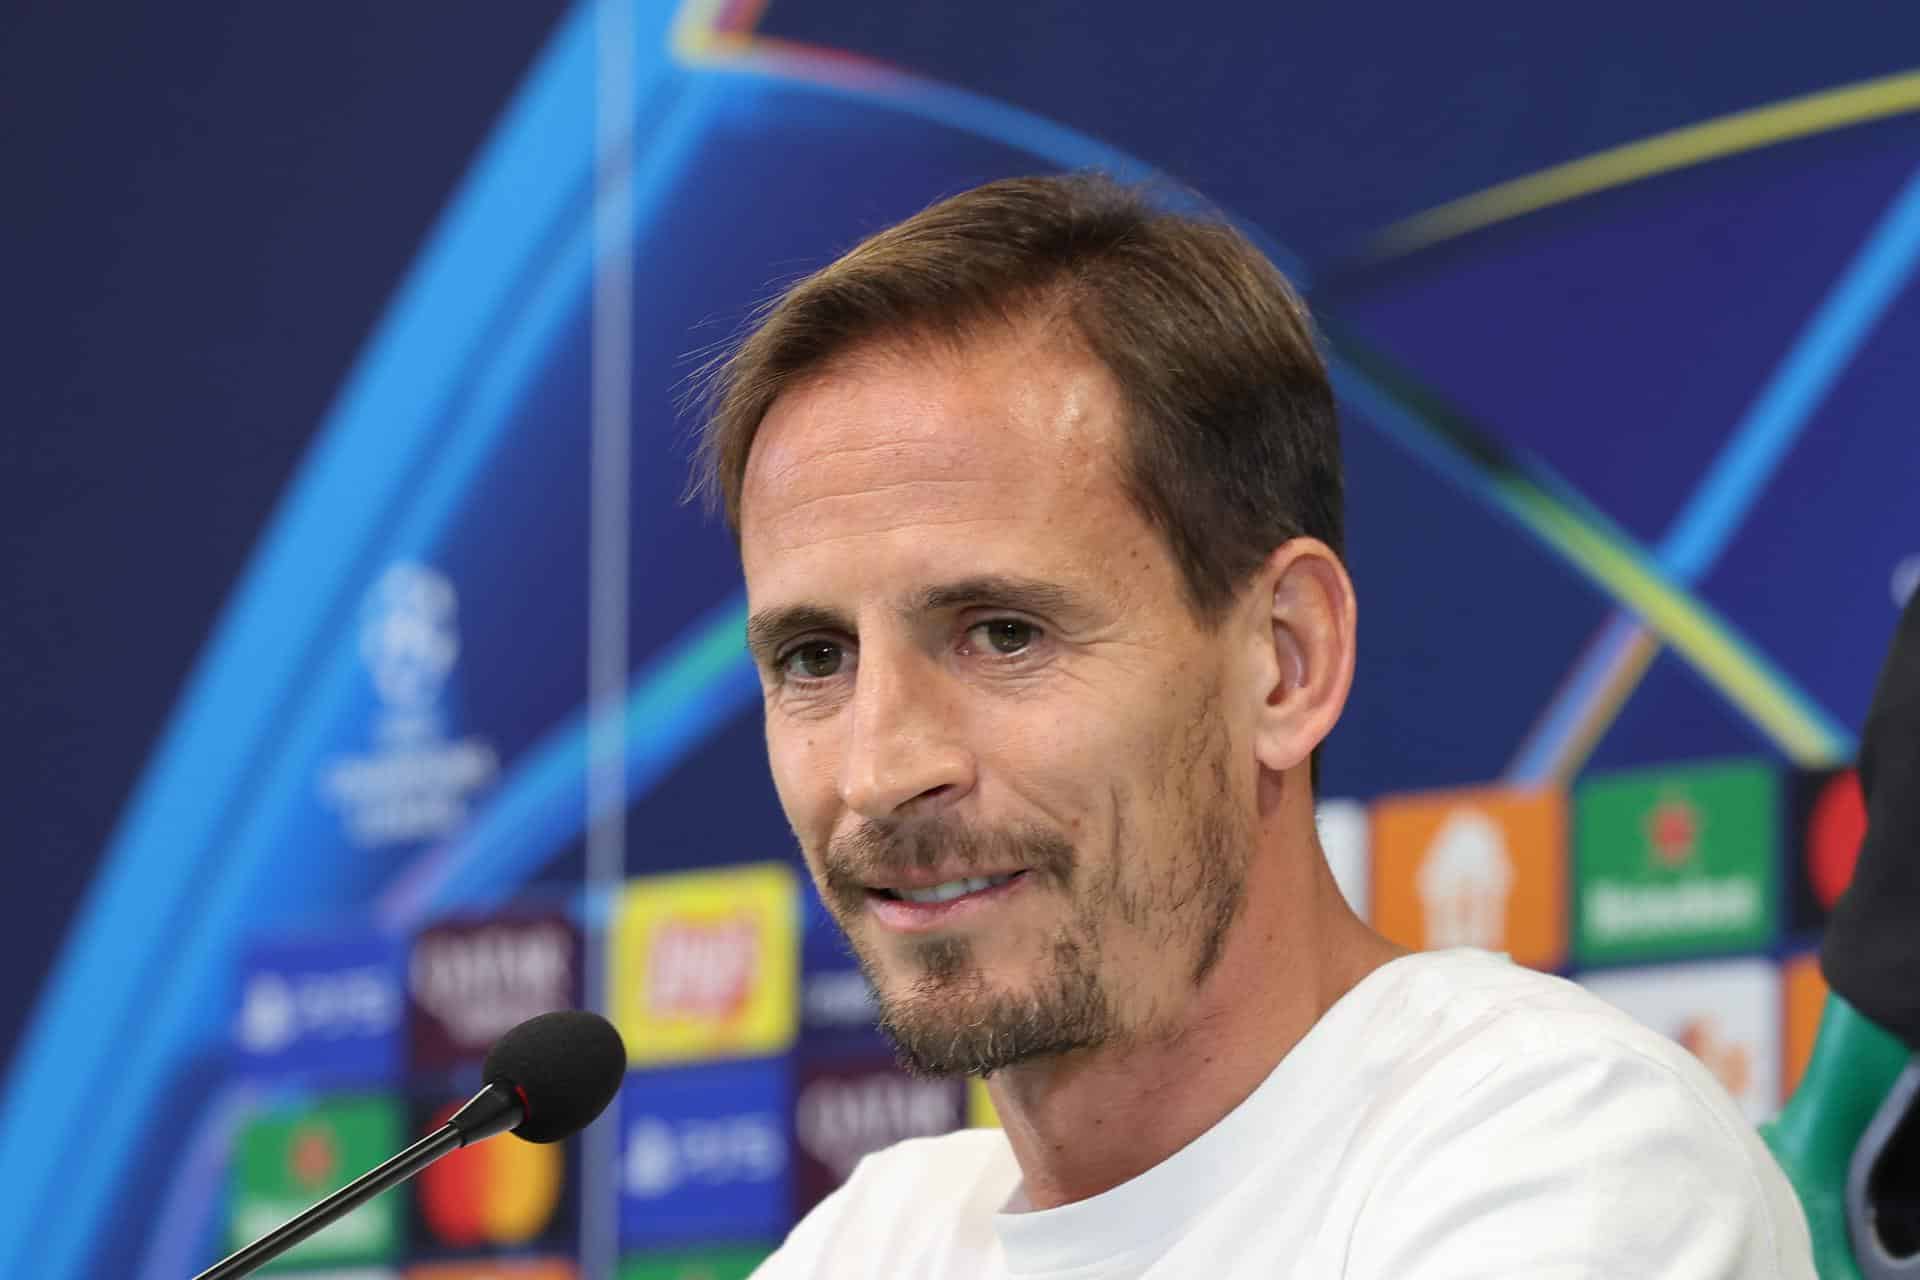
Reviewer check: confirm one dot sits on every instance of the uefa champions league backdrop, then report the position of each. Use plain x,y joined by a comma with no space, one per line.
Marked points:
374,689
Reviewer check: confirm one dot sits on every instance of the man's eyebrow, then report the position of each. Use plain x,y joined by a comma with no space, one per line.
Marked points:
767,628
1029,595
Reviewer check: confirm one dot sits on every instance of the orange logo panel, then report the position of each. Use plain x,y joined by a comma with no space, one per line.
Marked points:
1806,996
1474,868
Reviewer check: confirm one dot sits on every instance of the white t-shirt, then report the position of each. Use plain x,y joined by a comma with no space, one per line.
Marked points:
1454,1116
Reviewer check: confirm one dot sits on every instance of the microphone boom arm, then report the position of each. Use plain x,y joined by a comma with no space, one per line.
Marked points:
494,1109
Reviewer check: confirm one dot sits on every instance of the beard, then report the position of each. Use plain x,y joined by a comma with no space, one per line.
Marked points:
947,1019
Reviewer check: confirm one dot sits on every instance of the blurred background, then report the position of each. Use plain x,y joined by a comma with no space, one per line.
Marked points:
368,688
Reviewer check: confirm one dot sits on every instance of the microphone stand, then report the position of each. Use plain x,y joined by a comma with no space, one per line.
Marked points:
493,1110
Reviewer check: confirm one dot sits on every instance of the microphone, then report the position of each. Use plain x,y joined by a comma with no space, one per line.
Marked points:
545,1080
1871,957
1871,954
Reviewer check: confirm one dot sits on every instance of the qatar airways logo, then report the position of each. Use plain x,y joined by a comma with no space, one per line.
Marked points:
481,981
703,968
838,1120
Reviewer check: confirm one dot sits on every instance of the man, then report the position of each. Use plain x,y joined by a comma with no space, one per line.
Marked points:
1039,505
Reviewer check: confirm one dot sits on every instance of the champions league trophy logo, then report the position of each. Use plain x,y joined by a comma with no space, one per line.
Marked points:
408,638
416,784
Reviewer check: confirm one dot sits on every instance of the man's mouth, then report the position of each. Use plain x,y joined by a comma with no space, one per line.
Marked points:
948,890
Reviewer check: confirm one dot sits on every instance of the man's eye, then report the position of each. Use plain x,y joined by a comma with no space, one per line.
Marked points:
1007,636
818,660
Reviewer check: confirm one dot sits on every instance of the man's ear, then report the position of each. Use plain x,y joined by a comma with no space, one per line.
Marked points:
1305,602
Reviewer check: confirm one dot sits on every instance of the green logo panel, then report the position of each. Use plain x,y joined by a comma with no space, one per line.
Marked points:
286,1160
719,1262
1676,862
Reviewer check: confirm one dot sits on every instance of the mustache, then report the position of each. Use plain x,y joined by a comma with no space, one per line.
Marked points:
875,851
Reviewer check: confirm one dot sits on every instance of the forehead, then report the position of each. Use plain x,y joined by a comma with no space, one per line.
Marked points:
1007,441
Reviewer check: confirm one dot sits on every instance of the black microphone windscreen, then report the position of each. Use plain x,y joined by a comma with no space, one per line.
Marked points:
567,1065
1871,954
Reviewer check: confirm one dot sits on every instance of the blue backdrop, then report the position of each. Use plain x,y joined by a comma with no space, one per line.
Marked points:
328,323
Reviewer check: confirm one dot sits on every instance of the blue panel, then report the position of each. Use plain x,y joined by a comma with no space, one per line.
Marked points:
324,1009
705,1153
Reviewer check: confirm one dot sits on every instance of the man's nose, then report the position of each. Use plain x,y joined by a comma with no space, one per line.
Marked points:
904,753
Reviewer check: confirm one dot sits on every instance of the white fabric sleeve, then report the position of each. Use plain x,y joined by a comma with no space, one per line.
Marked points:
808,1249
1572,1165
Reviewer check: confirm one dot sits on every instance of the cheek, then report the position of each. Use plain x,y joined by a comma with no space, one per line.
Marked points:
803,776
1068,764
1103,739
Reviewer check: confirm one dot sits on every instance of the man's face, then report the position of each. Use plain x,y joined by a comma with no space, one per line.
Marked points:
979,663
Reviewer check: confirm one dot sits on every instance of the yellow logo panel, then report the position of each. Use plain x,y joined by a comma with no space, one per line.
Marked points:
706,964
980,1109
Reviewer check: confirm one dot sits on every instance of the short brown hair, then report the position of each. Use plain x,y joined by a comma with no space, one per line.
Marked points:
1233,441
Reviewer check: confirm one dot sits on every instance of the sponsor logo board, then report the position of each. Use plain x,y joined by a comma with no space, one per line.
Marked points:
981,1113
1826,823
470,982
1804,999
1675,862
705,964
493,1195
1474,868
322,1008
716,1262
838,1012
1725,1012
705,1153
284,1160
496,1269
838,1001
845,1109
1343,827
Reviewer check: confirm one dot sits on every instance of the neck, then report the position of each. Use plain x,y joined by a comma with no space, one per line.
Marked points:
1085,1123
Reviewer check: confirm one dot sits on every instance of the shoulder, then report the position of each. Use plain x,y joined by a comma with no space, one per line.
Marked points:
1535,1122
922,1198
1461,1015
1498,1046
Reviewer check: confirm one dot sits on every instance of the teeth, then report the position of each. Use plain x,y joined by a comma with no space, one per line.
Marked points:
953,889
